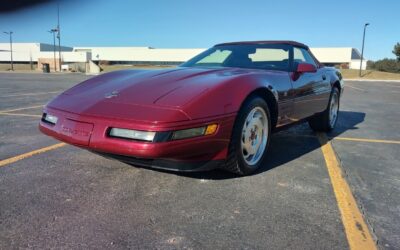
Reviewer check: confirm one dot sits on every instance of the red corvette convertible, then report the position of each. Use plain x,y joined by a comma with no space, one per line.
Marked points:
217,110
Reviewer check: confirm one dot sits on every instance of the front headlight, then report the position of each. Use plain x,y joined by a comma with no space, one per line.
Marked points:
132,134
194,132
162,136
50,118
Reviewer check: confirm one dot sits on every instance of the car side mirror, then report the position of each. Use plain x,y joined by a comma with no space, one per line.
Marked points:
306,68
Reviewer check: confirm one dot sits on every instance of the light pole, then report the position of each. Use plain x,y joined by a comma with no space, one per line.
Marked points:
11,50
53,31
362,49
59,36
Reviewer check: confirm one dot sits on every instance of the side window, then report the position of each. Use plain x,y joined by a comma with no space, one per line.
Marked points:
270,58
269,54
302,56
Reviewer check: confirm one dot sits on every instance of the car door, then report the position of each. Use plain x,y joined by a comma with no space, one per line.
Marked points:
310,90
275,59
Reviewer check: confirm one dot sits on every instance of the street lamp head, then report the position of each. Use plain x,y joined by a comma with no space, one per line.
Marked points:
366,24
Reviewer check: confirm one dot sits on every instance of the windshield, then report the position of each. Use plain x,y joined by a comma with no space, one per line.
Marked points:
253,56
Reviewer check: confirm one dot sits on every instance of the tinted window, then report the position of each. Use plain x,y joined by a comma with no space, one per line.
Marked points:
256,56
215,58
302,56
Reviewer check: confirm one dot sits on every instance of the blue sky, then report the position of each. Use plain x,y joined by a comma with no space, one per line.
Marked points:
200,24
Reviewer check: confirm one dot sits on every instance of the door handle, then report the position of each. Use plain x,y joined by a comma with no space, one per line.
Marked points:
324,77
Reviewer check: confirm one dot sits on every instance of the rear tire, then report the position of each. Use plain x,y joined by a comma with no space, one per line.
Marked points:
250,138
326,120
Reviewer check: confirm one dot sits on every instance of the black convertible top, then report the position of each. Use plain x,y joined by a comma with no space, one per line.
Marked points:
297,44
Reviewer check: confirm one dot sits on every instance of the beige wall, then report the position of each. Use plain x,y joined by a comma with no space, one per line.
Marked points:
140,54
333,55
50,61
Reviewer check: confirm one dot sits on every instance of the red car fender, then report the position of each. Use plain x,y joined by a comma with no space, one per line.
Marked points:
233,92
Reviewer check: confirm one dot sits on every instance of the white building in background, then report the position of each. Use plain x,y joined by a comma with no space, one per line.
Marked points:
27,52
35,52
140,55
345,57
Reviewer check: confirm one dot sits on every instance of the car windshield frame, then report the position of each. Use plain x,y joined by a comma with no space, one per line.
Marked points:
244,50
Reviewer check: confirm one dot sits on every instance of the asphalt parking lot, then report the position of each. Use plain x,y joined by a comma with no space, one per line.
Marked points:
58,196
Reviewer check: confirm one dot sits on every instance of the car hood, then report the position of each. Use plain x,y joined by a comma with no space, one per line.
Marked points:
128,93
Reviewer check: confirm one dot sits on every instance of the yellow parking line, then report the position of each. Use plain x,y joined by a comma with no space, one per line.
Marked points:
29,154
27,115
348,139
18,109
29,94
366,140
357,232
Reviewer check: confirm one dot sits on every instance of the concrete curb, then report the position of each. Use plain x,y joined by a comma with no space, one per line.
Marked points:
40,72
370,80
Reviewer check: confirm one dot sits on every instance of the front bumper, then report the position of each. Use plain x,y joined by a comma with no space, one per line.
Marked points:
164,164
91,133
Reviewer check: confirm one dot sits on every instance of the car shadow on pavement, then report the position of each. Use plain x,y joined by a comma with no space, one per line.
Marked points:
286,146
348,120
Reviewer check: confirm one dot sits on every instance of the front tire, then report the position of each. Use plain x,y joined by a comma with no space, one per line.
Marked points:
250,137
326,120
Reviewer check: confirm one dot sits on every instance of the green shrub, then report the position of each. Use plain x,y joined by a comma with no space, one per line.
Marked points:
386,65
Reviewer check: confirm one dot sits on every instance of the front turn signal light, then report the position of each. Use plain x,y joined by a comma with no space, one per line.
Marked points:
211,129
194,132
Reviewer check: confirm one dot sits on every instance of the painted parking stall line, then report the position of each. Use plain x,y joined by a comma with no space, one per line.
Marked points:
19,109
25,115
30,154
10,112
351,139
366,140
357,231
30,94
352,87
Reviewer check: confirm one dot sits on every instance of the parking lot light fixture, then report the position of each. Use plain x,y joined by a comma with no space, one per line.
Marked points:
11,49
362,49
53,31
59,36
